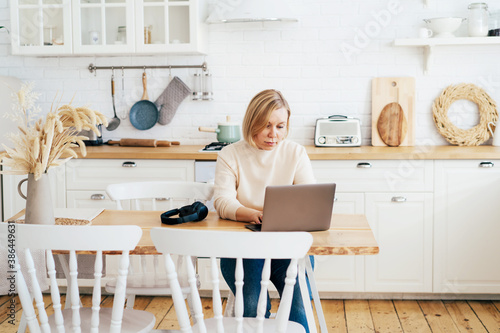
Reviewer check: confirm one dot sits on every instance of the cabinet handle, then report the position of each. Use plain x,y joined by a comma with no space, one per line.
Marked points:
161,199
398,199
486,165
129,165
97,197
364,165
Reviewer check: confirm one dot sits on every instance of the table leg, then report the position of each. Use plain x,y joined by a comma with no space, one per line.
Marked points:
315,295
304,290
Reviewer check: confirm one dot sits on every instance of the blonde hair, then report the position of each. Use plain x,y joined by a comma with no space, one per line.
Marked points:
259,111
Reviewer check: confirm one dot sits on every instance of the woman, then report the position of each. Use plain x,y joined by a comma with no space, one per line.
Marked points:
244,169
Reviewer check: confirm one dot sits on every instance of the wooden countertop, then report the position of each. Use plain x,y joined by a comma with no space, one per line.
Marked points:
185,152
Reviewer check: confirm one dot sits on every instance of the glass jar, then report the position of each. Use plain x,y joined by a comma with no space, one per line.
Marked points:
121,37
494,24
478,19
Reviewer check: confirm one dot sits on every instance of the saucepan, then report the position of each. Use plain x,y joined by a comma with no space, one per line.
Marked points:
144,113
228,131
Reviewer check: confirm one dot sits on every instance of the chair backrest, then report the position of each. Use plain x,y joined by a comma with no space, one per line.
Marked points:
225,244
94,239
187,191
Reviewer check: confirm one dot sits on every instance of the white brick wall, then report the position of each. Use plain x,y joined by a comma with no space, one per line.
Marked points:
302,59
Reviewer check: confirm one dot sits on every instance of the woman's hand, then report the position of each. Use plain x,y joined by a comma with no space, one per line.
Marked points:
245,214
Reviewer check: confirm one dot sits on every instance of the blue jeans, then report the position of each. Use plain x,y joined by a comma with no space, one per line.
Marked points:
251,287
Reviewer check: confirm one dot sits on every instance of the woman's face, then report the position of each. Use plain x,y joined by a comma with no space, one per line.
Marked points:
274,132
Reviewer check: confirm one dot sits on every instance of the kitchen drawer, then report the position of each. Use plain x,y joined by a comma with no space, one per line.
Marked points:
376,175
96,174
90,199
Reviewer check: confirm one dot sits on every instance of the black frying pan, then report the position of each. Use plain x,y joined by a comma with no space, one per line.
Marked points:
144,113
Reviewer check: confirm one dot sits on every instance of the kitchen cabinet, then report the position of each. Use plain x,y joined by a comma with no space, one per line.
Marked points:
86,179
396,197
467,215
79,27
41,27
103,27
402,225
165,26
13,202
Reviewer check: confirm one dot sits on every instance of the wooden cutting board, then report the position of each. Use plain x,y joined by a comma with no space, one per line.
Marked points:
387,90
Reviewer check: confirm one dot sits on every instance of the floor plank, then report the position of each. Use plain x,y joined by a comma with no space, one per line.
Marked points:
438,317
160,306
334,315
411,317
358,317
384,316
488,314
464,317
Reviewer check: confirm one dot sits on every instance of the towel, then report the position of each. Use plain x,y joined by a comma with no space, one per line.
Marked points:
170,99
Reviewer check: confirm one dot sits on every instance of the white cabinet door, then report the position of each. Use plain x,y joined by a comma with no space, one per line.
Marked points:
341,273
13,202
467,227
402,225
103,27
41,27
166,26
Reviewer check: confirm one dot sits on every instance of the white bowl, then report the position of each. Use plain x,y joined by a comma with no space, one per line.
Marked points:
444,26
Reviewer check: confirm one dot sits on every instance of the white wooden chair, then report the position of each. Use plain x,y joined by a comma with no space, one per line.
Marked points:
28,238
239,245
145,278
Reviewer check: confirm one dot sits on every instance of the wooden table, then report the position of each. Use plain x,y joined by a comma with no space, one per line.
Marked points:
348,235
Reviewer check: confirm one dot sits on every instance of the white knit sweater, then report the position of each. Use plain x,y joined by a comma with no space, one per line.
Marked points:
243,172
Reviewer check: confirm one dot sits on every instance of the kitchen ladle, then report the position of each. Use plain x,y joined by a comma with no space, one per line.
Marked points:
115,121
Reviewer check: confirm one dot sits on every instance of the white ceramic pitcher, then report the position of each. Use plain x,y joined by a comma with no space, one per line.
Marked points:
39,209
496,138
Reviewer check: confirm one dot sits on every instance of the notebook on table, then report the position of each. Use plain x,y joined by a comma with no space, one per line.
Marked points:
305,207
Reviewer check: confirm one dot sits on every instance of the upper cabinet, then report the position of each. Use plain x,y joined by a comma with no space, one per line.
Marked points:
103,26
41,27
107,27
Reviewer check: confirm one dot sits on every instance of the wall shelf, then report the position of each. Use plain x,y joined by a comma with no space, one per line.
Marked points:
430,44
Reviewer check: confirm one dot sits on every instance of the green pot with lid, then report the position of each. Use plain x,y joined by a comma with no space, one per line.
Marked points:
228,131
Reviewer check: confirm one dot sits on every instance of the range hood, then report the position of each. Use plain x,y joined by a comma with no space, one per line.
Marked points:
237,11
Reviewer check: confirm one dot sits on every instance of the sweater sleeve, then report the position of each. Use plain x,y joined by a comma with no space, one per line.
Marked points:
304,173
225,193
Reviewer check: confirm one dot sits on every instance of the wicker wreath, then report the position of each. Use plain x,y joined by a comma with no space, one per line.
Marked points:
464,137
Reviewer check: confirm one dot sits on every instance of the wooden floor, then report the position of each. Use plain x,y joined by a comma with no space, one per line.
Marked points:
350,316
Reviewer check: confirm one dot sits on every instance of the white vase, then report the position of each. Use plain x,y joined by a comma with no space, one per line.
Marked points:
39,208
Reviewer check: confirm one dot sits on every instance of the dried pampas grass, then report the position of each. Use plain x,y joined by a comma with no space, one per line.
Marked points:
40,145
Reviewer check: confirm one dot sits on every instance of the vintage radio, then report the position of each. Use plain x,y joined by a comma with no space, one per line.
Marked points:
337,131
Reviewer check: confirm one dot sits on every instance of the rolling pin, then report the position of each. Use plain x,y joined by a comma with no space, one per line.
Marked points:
143,143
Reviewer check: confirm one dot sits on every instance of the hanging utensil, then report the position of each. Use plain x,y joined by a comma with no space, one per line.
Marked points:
115,121
123,114
144,113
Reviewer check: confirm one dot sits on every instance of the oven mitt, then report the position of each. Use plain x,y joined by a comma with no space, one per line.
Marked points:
170,99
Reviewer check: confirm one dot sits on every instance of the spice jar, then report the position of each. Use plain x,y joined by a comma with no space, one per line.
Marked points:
121,37
478,19
147,34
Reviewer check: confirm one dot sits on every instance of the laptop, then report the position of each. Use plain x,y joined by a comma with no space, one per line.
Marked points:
305,207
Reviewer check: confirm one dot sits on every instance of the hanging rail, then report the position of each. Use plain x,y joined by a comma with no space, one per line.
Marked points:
92,68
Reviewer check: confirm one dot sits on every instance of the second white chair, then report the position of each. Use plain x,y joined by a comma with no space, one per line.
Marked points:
145,278
239,245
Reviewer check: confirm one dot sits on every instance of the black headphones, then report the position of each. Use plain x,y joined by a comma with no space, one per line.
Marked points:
195,212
